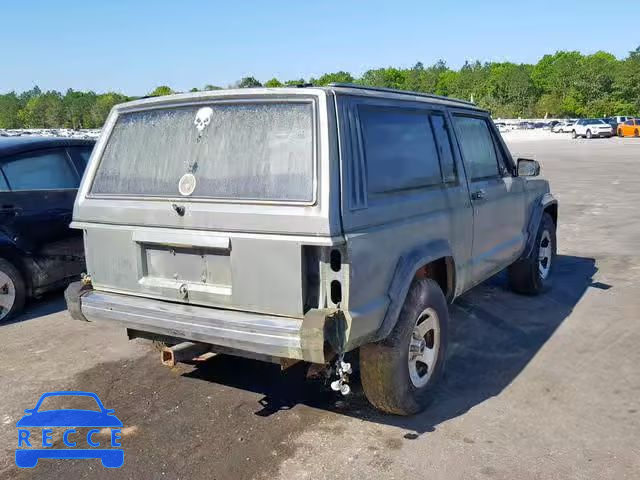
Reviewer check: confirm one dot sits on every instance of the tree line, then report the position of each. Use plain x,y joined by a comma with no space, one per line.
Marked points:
565,84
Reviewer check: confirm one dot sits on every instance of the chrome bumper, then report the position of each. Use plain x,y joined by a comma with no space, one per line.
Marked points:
302,339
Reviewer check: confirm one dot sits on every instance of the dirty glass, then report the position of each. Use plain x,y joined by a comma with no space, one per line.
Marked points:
400,150
257,151
477,147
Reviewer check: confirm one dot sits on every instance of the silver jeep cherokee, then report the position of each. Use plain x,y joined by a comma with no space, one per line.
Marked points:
305,223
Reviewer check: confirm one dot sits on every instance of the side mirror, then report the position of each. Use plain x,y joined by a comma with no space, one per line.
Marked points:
528,168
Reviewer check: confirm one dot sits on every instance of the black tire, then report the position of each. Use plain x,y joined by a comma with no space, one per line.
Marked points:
20,292
636,133
588,135
574,134
620,134
525,275
384,366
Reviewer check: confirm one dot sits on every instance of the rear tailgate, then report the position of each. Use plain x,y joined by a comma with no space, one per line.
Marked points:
211,200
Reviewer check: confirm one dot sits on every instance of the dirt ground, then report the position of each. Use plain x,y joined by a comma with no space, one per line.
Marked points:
536,388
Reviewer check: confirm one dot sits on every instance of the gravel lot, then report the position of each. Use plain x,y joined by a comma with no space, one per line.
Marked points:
544,387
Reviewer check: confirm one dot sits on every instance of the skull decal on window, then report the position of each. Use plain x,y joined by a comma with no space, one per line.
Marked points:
203,118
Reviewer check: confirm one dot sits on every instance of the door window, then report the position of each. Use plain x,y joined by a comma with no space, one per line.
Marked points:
43,170
4,186
80,155
477,147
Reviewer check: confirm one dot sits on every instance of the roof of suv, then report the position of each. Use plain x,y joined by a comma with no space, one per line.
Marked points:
354,89
13,145
339,88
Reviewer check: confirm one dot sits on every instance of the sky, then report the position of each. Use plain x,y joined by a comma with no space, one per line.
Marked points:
133,46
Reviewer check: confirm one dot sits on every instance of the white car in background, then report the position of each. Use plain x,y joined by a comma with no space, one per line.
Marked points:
562,127
591,127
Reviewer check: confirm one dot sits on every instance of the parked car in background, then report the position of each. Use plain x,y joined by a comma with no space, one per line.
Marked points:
560,127
502,127
252,233
39,178
591,127
621,119
614,124
630,128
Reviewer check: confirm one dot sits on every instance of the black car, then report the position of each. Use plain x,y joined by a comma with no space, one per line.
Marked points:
614,124
39,178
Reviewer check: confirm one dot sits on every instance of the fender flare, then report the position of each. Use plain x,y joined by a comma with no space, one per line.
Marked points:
403,275
538,209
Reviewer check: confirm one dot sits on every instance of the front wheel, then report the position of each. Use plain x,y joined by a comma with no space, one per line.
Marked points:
12,290
399,373
636,133
620,134
532,275
589,134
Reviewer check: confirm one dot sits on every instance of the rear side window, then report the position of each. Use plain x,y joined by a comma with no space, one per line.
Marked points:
400,149
443,141
477,147
44,170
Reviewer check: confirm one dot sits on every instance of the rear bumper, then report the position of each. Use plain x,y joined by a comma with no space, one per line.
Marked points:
295,338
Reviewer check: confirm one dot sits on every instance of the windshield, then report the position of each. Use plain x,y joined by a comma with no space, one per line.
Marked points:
249,151
592,121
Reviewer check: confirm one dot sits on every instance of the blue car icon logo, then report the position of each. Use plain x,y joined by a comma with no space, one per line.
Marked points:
69,420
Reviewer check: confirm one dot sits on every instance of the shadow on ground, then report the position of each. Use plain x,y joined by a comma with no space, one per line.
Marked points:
493,335
51,302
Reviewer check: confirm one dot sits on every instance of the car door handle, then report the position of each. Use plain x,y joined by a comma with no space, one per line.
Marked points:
479,195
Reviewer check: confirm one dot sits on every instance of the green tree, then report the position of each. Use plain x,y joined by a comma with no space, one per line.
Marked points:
9,108
212,87
273,83
385,77
103,105
29,94
249,82
336,77
43,111
77,108
509,91
161,91
626,87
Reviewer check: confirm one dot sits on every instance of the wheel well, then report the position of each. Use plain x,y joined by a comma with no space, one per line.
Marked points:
553,211
443,272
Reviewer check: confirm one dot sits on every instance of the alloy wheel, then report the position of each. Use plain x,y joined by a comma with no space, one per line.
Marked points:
545,254
424,347
7,294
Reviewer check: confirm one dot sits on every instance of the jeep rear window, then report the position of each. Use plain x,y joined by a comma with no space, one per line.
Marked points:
245,151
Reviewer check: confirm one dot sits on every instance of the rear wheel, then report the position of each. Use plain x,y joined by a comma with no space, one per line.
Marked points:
574,134
532,275
398,374
12,290
620,134
636,133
